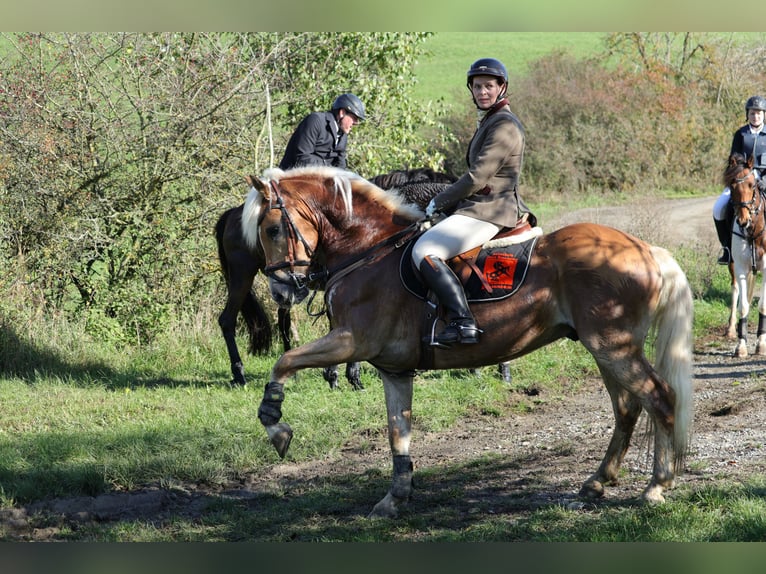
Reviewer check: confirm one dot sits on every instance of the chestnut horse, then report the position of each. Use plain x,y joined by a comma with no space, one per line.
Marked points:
240,264
586,282
748,248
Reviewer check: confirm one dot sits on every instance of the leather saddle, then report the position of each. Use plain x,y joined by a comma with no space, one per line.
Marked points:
489,272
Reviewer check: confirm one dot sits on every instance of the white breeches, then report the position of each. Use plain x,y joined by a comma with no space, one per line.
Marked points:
452,236
721,204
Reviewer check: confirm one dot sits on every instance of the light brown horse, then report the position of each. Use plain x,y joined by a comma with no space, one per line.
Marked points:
748,248
587,282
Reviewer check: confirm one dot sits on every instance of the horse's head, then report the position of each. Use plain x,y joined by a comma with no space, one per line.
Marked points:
287,233
740,178
294,213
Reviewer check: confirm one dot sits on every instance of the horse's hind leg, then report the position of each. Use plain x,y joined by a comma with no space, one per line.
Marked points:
633,384
626,410
353,375
330,375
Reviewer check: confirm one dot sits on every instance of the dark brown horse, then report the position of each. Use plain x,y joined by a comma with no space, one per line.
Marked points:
748,249
586,282
240,265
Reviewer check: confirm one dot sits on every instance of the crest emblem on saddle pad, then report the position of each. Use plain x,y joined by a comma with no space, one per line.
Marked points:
493,274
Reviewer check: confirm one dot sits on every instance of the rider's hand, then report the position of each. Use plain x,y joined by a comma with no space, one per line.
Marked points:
430,209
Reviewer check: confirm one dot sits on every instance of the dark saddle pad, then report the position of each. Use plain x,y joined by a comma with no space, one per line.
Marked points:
487,274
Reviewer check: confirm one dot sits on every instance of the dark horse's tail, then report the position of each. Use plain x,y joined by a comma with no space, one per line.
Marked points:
257,321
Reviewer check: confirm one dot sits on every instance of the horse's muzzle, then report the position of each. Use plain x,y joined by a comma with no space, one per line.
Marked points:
745,223
288,290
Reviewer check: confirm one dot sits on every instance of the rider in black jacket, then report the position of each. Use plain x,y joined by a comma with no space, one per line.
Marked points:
750,141
321,137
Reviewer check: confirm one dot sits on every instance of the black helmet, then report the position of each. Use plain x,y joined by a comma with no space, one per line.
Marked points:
755,103
350,103
487,67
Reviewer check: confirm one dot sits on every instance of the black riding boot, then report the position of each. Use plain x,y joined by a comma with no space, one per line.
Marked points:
443,282
723,228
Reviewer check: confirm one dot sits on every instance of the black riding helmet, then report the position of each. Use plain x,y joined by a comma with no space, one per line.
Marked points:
350,103
488,67
755,103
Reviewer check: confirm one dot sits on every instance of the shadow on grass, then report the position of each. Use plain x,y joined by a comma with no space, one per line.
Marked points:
19,358
491,498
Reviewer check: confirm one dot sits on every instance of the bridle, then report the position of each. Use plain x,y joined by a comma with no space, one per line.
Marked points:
284,271
753,206
301,281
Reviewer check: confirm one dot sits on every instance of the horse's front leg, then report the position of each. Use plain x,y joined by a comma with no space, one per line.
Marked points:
335,347
744,310
731,331
742,274
398,392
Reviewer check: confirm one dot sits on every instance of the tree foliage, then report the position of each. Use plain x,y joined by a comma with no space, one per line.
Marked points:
652,111
119,151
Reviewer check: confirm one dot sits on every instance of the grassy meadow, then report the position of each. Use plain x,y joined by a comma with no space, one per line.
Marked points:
441,74
82,417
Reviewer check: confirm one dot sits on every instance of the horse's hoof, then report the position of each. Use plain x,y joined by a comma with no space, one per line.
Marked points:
740,352
280,436
592,490
386,508
653,495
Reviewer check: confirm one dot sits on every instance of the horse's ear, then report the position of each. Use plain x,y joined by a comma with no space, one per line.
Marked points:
750,161
732,160
258,184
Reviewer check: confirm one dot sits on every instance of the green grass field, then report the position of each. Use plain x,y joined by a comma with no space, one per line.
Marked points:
441,73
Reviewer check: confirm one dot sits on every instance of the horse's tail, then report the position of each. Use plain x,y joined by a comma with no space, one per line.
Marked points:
258,325
260,333
673,346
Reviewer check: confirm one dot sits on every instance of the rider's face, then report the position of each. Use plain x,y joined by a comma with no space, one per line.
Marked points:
755,117
346,120
485,90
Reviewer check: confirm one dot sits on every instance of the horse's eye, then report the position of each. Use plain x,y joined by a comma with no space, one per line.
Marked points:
272,231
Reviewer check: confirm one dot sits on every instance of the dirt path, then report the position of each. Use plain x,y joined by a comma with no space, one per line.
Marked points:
550,450
675,222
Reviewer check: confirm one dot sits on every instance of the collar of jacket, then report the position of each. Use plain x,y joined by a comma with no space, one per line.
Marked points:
493,108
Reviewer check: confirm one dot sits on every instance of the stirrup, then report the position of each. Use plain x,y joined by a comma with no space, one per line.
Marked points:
458,332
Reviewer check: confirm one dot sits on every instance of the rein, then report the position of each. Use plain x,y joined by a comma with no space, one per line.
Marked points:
369,255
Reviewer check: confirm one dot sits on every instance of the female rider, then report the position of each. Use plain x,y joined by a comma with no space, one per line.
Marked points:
482,202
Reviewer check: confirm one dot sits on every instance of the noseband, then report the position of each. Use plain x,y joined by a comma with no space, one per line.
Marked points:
294,236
